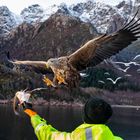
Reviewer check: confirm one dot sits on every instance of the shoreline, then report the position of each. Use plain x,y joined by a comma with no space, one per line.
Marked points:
5,101
126,106
45,103
68,104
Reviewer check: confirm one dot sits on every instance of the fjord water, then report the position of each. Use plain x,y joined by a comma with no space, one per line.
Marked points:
125,122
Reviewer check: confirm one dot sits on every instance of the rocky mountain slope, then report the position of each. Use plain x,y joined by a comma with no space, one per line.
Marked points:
59,35
8,20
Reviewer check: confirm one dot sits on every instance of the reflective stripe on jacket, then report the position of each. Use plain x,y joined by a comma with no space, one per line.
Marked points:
44,131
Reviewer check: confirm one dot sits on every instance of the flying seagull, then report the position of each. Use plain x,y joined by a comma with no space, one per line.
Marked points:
100,81
106,73
138,70
127,75
127,63
114,81
66,68
136,56
83,74
123,70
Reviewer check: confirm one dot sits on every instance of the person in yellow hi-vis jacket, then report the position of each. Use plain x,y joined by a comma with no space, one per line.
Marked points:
96,113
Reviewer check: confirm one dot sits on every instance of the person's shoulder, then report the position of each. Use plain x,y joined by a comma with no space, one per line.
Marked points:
117,138
84,126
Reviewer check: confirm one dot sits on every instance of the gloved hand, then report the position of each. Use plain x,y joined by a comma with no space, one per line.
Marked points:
30,112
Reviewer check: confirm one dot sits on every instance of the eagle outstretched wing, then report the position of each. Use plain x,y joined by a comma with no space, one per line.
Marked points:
37,66
104,46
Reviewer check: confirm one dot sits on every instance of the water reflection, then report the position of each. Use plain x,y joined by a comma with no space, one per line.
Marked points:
125,122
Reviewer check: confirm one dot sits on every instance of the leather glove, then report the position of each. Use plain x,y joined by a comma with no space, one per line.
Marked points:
30,112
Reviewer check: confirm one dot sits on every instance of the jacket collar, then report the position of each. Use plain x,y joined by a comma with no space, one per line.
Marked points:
86,125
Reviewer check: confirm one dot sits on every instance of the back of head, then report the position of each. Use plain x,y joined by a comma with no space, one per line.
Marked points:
97,111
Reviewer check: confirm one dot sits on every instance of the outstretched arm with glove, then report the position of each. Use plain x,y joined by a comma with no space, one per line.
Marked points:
42,130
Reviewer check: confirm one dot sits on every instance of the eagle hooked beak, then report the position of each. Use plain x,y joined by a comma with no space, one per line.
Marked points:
47,65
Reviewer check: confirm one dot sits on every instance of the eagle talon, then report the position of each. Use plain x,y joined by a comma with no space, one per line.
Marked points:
61,80
48,82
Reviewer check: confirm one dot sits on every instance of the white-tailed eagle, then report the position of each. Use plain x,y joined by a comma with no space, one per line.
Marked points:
66,68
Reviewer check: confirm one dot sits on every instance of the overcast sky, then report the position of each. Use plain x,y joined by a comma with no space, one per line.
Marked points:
17,5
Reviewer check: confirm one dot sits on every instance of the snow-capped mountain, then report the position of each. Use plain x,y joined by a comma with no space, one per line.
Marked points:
105,18
32,14
36,13
8,20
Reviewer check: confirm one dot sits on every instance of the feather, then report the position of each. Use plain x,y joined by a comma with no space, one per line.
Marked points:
103,47
37,66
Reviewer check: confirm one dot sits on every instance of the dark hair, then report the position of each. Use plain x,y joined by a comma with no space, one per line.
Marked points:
97,111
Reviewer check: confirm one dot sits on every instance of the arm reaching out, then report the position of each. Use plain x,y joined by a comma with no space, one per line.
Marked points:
44,131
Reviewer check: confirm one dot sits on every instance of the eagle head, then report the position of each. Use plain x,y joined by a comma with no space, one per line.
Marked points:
52,62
